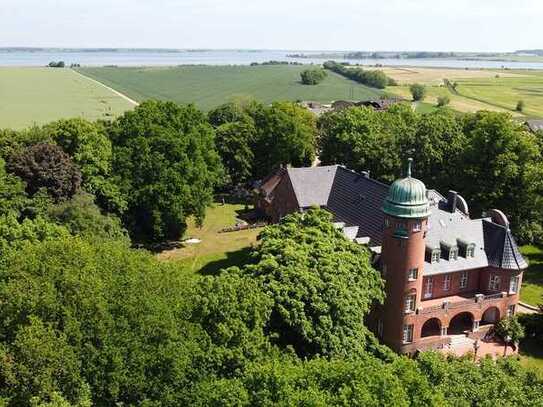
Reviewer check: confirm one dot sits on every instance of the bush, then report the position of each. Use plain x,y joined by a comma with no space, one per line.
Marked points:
510,328
520,106
443,101
313,76
418,91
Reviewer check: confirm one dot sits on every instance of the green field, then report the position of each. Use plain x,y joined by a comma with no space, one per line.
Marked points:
210,86
40,95
532,284
505,92
482,89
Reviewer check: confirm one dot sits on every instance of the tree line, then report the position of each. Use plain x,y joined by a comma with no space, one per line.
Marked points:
374,78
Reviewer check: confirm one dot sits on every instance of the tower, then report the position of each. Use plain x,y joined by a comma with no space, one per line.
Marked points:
406,210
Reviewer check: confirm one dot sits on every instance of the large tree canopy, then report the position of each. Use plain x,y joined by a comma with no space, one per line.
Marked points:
165,158
90,148
46,166
322,286
255,138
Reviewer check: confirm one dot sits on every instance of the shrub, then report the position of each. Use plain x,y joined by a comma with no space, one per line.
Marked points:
313,76
520,106
418,91
443,101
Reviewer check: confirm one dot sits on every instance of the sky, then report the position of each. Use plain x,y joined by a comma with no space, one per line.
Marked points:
431,25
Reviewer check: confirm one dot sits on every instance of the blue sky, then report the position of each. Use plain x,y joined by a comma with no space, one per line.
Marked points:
449,25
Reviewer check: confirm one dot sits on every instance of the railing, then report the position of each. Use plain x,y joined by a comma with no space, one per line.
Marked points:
445,305
492,296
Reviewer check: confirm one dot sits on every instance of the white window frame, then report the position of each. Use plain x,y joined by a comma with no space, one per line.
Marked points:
417,226
408,333
494,282
514,284
453,253
410,303
387,222
428,288
470,251
446,282
413,274
436,256
464,278
511,310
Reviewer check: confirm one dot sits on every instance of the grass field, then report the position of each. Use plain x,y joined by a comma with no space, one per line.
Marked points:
39,95
478,89
531,356
210,86
532,284
216,250
505,92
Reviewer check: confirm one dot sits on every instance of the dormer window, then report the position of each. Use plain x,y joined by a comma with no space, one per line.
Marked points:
450,250
453,253
467,249
433,254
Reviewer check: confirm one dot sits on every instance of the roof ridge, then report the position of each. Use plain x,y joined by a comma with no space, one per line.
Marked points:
361,175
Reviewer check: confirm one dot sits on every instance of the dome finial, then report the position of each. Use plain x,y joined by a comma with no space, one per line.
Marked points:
409,163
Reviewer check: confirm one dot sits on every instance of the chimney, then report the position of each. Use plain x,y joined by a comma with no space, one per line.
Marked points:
451,201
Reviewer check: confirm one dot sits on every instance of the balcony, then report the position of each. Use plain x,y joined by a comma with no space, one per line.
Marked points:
457,301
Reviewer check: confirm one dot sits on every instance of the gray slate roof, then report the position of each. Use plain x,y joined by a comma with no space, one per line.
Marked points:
447,227
501,248
356,202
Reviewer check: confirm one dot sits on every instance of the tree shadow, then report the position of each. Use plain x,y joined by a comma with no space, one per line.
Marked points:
234,258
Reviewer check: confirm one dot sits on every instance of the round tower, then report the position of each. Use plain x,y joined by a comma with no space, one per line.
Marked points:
406,210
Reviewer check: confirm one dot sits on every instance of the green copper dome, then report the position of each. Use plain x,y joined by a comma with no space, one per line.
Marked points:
407,198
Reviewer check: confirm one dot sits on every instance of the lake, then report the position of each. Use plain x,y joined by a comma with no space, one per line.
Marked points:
221,57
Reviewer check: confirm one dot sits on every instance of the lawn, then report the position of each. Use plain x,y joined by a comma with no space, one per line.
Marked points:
532,284
210,86
531,355
216,250
40,95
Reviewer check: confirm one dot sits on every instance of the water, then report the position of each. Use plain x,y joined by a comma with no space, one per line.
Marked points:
222,57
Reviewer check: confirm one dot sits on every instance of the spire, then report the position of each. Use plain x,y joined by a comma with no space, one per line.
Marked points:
409,163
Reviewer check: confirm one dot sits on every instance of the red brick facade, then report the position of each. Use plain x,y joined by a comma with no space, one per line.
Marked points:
448,303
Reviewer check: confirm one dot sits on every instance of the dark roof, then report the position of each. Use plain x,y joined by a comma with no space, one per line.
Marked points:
534,125
356,202
501,248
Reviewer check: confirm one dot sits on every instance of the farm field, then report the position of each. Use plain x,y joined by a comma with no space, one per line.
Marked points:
482,89
215,250
210,86
40,95
435,76
505,92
